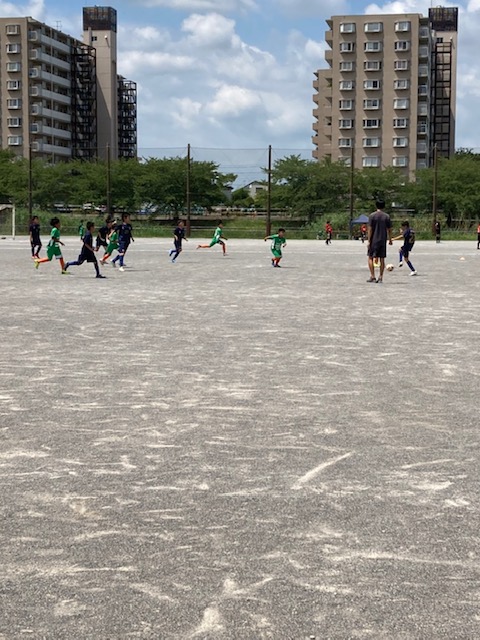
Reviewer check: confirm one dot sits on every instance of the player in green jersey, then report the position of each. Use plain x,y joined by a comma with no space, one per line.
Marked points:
53,247
112,245
278,241
218,238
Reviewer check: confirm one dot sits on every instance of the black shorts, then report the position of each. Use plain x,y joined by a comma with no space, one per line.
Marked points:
377,250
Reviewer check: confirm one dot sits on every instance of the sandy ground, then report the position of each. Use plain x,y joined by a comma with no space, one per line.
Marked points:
221,450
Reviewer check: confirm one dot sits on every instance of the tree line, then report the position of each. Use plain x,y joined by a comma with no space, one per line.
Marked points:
307,187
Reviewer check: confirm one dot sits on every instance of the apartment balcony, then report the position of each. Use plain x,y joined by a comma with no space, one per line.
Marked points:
316,84
329,56
39,146
37,128
317,112
329,37
55,44
39,56
51,77
40,92
39,110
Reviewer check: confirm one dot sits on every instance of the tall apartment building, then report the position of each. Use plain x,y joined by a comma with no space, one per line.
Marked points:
388,96
61,98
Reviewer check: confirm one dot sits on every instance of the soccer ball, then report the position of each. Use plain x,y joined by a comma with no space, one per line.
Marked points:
389,267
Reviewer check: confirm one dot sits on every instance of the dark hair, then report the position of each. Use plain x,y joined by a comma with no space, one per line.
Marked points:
380,204
54,222
219,222
34,218
125,216
90,225
405,223
281,229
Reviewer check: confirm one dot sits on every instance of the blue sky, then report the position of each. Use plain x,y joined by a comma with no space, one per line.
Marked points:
237,74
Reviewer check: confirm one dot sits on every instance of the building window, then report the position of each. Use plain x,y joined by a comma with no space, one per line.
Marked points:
400,161
14,141
422,147
370,161
371,142
347,161
13,48
347,47
402,26
401,103
371,85
12,29
372,65
12,67
422,128
371,104
345,123
401,84
424,32
13,85
400,142
422,109
346,66
402,45
373,27
421,164
371,123
345,105
346,85
423,52
14,103
14,122
400,123
373,46
34,72
347,27
400,65
423,90
344,142
422,70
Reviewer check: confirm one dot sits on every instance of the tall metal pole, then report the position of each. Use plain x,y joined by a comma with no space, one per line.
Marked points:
435,182
109,182
30,182
268,226
352,184
188,198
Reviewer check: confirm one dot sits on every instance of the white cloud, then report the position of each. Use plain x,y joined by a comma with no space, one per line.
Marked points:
221,6
211,30
233,101
312,8
34,8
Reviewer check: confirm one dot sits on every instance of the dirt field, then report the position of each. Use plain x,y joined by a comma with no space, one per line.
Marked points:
216,449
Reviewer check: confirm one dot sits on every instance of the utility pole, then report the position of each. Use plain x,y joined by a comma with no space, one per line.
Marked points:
435,182
352,184
268,227
30,182
188,198
109,182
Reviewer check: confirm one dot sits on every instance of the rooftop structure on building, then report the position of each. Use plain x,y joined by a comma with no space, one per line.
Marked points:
61,97
388,96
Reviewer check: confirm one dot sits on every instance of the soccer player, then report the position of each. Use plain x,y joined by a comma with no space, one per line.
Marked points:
408,237
111,246
478,237
218,238
328,232
103,232
87,254
278,241
34,232
125,236
379,227
178,236
53,248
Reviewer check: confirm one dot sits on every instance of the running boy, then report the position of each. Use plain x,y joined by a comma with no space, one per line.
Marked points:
125,236
87,254
218,238
328,232
103,232
53,248
408,237
111,246
34,232
178,236
278,241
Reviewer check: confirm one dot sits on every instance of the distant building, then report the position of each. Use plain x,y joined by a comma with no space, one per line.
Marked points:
61,98
389,94
254,188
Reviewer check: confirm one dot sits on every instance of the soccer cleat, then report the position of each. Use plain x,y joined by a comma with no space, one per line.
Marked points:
172,260
121,269
36,263
273,263
414,273
379,280
66,273
100,276
372,280
113,264
400,264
